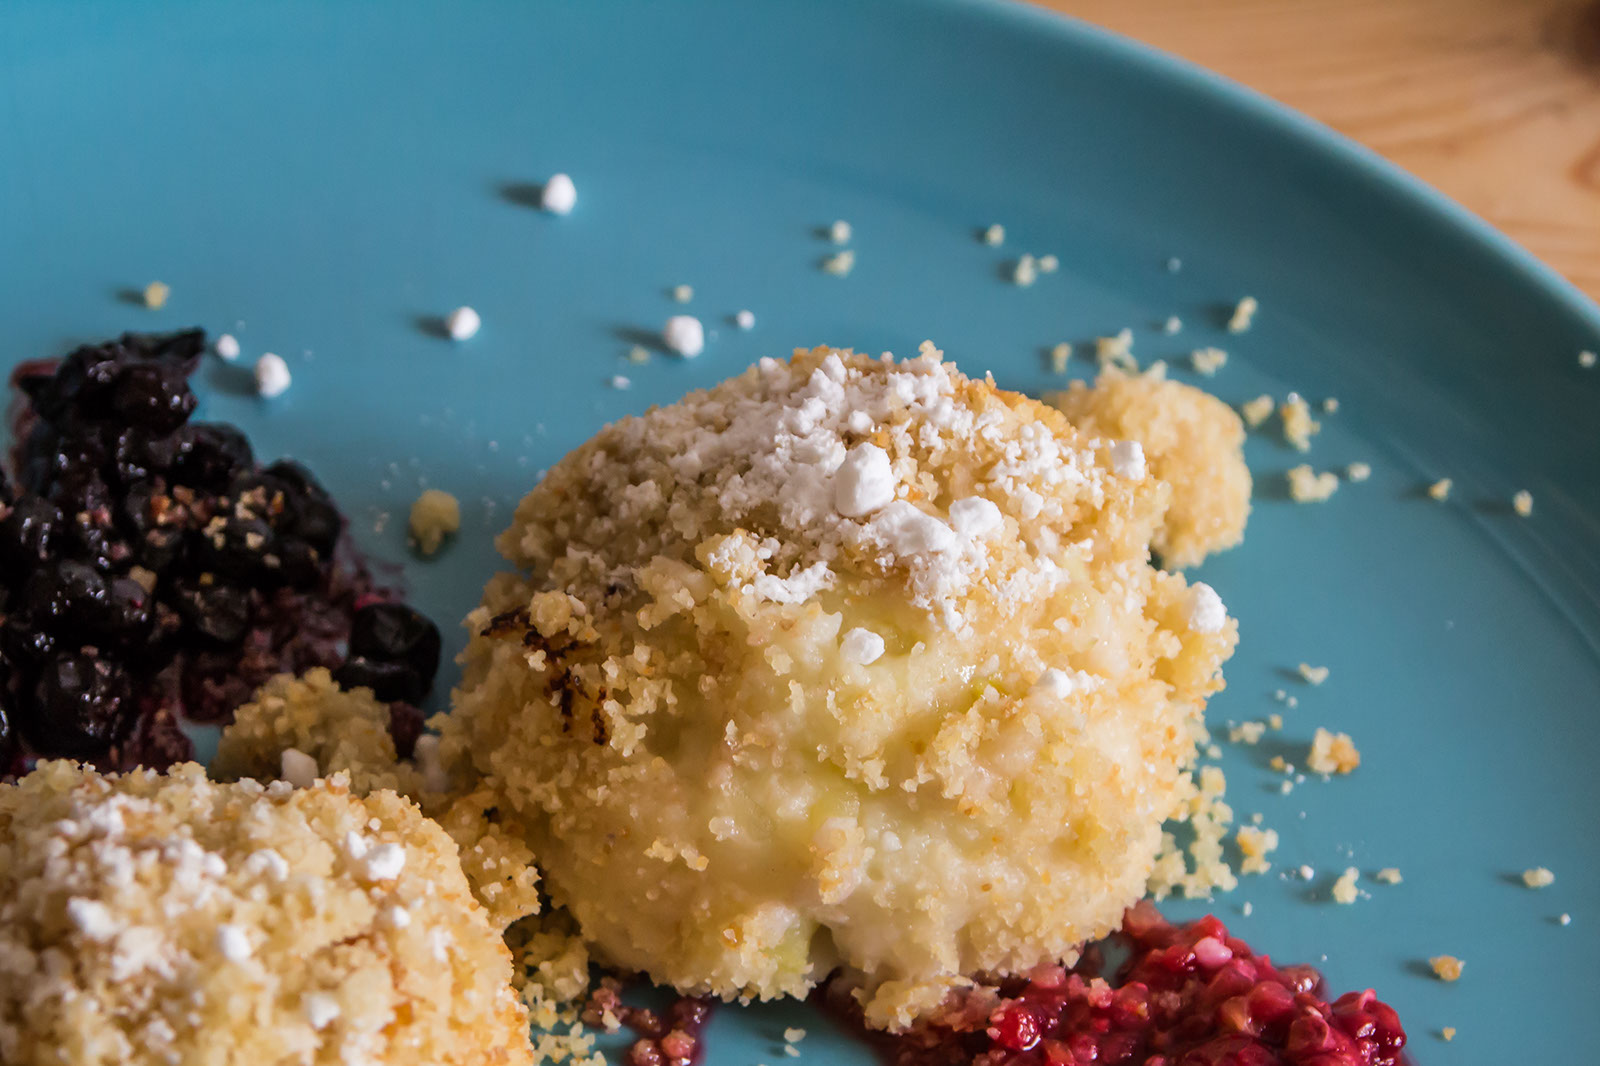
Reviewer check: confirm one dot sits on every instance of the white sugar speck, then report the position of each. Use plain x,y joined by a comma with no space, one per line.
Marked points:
1127,459
1206,613
385,862
745,319
865,481
227,347
272,375
463,324
233,942
861,646
685,335
559,196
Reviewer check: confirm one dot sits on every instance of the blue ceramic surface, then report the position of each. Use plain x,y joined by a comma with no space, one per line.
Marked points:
324,180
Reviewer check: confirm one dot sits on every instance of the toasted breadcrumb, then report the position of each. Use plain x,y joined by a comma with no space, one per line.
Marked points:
435,516
1308,486
1313,675
1275,721
683,293
840,232
1344,889
1446,967
1357,471
1440,490
1332,753
1025,271
155,295
1116,351
1244,312
1256,844
1330,405
1059,355
840,264
1256,411
1191,440
1389,875
1247,733
1564,919
1172,325
638,354
1298,425
1448,1032
995,235
1049,264
1538,877
1522,503
1208,361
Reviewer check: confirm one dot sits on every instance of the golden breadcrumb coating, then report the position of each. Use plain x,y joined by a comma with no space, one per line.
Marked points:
845,661
1193,441
156,919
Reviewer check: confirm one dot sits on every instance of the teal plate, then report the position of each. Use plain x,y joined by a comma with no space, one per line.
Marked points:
324,180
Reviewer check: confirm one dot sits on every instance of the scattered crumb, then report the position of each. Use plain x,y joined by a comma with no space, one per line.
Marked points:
1174,265
1308,486
227,347
1332,753
1247,909
840,232
1538,877
840,264
1448,1032
1026,271
463,324
559,196
1280,695
1207,361
683,293
1298,425
638,354
155,295
435,516
793,1036
1286,787
1357,472
1247,733
1049,264
1243,313
995,235
1440,490
1344,889
1255,844
1059,356
1116,351
1277,763
1314,675
1330,406
1587,360
745,320
1257,410
1446,967
1522,503
1389,875
272,375
1565,919
1307,872
621,381
791,1051
685,335
1275,721
1172,325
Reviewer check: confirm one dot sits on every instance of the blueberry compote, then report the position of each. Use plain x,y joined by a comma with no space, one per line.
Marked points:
152,570
1189,995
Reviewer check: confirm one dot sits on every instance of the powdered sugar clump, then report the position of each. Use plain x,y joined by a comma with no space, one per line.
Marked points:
1206,613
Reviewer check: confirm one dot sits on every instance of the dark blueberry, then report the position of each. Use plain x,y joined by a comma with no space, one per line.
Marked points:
309,509
6,495
389,681
8,737
393,632
26,534
222,614
79,600
94,537
37,458
182,350
79,384
242,548
24,644
300,564
153,396
136,455
81,705
162,550
212,454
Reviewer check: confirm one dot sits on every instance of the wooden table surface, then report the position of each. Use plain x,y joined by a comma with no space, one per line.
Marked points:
1494,102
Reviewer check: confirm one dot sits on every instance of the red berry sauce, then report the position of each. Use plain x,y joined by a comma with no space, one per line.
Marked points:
1189,995
670,1038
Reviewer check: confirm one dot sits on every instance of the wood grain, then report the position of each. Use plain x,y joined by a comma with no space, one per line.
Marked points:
1494,102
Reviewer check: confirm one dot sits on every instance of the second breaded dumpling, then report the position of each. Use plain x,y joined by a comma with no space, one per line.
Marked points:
149,919
1191,440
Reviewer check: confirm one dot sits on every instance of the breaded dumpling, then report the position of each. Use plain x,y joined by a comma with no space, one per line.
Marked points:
845,661
154,919
1190,439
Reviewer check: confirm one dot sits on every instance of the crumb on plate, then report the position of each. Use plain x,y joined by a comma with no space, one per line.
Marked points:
435,515
1446,967
1308,486
1332,753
